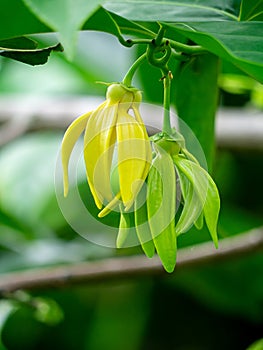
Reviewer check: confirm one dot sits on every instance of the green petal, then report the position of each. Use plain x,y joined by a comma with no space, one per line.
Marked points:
141,224
99,143
206,190
192,205
70,138
124,227
199,223
161,206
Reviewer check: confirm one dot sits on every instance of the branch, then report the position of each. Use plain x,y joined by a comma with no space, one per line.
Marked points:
130,267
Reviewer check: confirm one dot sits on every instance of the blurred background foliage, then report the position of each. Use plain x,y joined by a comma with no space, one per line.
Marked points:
218,306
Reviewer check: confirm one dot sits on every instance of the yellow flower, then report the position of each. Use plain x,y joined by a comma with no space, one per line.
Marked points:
111,132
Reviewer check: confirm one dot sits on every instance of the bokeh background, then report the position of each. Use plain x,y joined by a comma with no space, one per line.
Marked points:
218,305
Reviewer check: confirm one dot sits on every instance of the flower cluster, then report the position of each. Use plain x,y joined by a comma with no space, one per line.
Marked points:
110,131
123,169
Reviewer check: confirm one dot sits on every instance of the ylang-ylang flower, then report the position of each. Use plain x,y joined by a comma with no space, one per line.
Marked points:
114,131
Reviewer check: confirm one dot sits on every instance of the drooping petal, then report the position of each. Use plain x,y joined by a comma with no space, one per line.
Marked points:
192,205
206,190
141,224
69,140
99,140
132,157
161,206
138,117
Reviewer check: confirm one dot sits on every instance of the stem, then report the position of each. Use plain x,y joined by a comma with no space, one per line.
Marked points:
130,43
166,103
188,49
243,245
127,80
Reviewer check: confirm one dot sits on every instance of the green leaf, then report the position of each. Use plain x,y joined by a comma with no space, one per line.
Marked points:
251,10
17,20
216,27
196,99
19,43
65,17
161,195
237,42
111,23
206,190
32,57
173,11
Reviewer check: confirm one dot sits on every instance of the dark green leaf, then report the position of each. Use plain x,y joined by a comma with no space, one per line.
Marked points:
18,20
19,43
251,10
32,57
196,99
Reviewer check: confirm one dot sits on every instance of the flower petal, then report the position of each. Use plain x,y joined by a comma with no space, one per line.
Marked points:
70,138
161,206
205,189
192,205
99,143
133,157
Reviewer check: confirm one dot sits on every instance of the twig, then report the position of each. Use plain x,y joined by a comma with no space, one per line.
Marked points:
130,267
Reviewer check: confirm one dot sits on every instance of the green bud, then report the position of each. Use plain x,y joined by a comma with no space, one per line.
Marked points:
115,92
170,147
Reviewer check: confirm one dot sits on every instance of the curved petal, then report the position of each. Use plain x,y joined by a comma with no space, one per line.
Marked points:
70,138
133,157
147,144
99,140
205,189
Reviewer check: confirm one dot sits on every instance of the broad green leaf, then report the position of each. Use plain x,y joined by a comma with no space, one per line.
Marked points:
172,11
237,42
65,17
206,190
32,57
196,99
18,20
215,27
161,195
251,10
103,20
